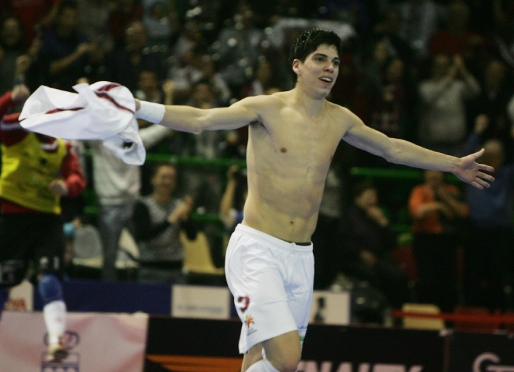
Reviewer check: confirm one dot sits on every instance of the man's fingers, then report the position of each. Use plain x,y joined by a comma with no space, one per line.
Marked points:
485,176
477,185
482,182
479,152
487,168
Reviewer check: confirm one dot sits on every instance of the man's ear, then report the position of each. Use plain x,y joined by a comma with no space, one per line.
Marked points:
296,66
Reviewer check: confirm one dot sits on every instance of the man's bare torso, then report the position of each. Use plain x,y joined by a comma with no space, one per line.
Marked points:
289,154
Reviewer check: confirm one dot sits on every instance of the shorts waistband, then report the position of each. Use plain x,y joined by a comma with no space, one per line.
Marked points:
277,243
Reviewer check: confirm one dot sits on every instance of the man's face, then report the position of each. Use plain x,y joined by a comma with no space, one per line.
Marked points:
165,179
67,22
320,69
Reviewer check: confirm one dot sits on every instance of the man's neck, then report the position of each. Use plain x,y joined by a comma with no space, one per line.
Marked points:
312,106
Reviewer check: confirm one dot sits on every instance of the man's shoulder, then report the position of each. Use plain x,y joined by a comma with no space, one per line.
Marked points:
264,101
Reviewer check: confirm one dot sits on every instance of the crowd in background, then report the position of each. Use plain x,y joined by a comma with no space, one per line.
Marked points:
435,72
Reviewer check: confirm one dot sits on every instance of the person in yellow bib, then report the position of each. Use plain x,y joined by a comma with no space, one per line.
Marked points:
36,172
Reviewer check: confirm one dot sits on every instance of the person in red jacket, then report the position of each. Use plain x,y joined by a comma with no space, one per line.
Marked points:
438,212
36,172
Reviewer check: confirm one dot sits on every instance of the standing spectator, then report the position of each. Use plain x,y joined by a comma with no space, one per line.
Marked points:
120,17
389,104
36,16
443,97
239,48
388,32
328,236
420,22
117,186
207,144
150,89
456,38
63,53
135,56
437,211
94,21
495,93
12,46
488,256
158,220
264,79
37,171
162,23
370,242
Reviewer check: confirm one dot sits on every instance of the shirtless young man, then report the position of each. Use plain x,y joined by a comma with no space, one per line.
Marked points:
292,138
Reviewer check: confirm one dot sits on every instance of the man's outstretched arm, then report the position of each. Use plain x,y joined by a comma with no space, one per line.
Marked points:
195,120
403,152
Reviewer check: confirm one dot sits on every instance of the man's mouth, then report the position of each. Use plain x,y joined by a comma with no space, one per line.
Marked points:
326,79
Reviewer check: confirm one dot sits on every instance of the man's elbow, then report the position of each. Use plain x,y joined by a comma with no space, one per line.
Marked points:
392,155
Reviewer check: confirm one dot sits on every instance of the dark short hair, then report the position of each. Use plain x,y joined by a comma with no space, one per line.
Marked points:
161,164
309,40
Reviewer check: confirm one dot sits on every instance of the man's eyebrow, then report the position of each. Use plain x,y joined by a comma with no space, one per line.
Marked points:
326,56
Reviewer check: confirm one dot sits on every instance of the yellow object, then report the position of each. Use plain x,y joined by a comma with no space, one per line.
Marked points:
422,323
197,256
28,170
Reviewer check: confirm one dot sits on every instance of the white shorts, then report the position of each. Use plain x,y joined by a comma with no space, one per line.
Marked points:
271,281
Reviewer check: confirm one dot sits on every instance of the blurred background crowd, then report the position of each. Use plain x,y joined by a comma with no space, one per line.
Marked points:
435,72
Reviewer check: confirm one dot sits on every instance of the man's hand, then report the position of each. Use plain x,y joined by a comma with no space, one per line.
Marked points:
182,211
59,187
469,171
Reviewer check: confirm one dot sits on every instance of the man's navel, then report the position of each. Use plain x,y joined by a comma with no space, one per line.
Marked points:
283,149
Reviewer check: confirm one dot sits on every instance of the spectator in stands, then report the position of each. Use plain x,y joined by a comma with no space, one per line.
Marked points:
420,20
263,79
233,199
488,255
94,21
369,242
158,220
135,56
117,186
495,93
120,17
150,88
12,46
456,38
189,38
64,50
390,100
207,144
188,73
37,16
162,22
238,47
37,171
327,238
437,212
442,114
388,32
